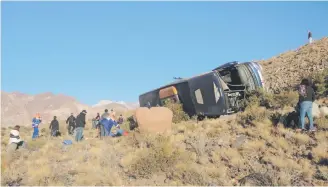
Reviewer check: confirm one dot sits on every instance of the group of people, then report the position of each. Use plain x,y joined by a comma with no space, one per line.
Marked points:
103,123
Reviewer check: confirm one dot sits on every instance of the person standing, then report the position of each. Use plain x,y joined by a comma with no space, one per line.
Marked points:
54,126
306,99
120,119
105,115
80,124
310,37
95,121
35,124
70,124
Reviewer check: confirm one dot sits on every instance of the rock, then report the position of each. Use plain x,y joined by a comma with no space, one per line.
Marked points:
203,160
310,156
155,119
240,140
324,111
256,179
315,110
312,141
159,179
302,148
193,156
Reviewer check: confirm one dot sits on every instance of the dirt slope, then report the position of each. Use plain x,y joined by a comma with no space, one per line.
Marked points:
285,70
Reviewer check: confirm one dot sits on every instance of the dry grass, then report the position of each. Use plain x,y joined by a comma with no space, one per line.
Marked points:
322,122
283,143
301,139
191,154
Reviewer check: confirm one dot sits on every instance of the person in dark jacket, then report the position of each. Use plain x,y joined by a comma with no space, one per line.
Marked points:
54,126
310,37
70,124
95,121
80,124
120,120
306,99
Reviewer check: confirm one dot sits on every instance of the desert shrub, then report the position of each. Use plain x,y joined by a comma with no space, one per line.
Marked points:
191,176
270,100
320,82
253,112
178,112
283,99
160,156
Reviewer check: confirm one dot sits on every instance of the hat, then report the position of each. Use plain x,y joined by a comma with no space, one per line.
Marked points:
84,111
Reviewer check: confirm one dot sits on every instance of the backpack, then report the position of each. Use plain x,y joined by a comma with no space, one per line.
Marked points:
302,90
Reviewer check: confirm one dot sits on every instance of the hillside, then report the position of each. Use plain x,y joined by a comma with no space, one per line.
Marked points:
19,108
282,72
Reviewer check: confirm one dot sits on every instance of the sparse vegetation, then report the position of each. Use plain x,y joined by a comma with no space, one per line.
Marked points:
178,112
201,155
320,81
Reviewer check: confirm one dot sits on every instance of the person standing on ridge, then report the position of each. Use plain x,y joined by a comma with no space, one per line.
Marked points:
35,124
54,126
80,124
310,37
70,124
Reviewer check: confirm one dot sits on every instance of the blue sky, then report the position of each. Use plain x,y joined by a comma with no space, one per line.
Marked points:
118,50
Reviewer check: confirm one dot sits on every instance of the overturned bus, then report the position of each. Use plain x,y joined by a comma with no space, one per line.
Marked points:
215,93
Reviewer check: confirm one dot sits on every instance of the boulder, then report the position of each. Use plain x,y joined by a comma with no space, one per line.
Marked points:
240,140
256,179
324,111
155,119
315,110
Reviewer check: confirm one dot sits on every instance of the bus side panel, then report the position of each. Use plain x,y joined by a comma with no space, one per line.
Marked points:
151,97
185,98
209,106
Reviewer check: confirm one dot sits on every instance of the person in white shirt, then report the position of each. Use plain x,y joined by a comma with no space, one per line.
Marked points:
15,138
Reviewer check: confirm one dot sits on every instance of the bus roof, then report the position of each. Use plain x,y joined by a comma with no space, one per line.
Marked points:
178,81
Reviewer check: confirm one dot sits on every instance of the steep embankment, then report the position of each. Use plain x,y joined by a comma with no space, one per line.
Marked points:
284,71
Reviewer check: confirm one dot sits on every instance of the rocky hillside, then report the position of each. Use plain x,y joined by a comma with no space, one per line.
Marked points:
19,108
282,72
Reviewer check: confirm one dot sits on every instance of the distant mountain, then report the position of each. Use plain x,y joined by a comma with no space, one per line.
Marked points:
19,108
109,102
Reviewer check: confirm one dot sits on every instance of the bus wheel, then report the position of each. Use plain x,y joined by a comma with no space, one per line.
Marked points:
200,118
